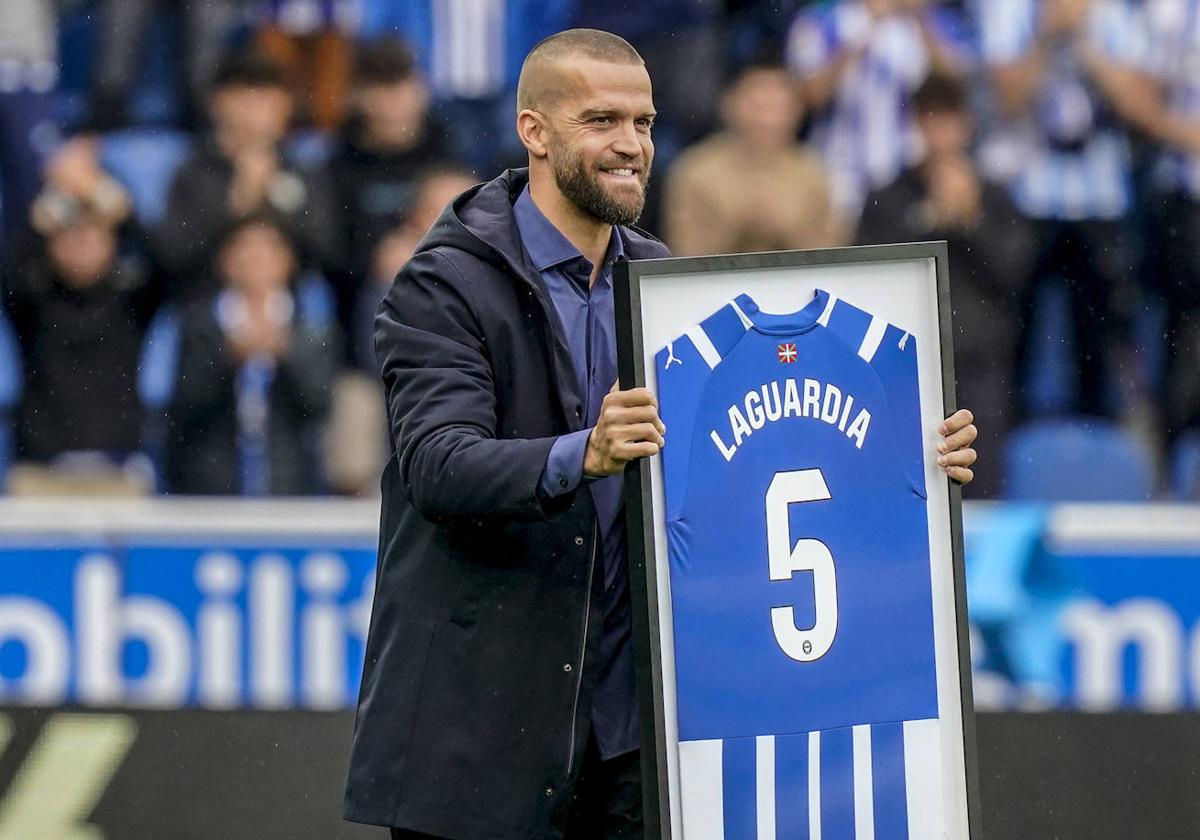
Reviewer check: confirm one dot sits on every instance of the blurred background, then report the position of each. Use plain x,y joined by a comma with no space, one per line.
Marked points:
202,202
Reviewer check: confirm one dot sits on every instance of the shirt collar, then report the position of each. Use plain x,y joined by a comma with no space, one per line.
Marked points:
546,245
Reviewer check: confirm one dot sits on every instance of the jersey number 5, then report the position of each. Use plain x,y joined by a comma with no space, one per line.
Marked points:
808,555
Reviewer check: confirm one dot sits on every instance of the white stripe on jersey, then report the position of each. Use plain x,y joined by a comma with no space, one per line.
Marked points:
704,345
864,786
746,322
823,320
701,799
923,779
872,339
814,782
764,785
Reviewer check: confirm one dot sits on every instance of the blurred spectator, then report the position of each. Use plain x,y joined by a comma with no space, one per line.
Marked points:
752,187
389,141
990,245
1068,71
471,52
860,61
434,191
28,77
1174,29
356,438
255,374
311,40
80,306
205,27
680,41
241,168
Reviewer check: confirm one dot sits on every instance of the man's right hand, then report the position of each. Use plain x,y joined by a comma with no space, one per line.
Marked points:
628,428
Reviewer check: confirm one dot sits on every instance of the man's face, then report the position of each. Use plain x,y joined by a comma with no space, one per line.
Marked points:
257,260
252,115
945,132
599,141
764,109
394,113
83,252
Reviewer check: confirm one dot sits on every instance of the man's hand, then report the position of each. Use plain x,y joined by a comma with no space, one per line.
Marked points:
628,428
955,452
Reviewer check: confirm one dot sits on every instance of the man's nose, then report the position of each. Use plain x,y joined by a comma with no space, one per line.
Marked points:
626,142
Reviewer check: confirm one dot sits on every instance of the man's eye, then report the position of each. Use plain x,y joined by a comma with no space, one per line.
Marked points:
646,124
602,119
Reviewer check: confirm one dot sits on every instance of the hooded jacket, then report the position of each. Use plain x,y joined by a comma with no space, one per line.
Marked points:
480,661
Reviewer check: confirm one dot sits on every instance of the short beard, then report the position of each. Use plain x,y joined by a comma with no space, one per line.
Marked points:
583,189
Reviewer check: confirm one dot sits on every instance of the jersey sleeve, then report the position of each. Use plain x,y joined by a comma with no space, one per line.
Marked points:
892,354
683,368
896,364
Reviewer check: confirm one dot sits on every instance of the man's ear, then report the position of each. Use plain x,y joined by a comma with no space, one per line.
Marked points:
534,132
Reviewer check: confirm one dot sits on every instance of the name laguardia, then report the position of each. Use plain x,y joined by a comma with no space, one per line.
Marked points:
780,400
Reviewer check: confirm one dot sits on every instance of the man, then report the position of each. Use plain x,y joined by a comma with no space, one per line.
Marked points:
256,371
498,692
1068,79
752,187
80,295
240,169
1174,32
990,243
859,62
389,142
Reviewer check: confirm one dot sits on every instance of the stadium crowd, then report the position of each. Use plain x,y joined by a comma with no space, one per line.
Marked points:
203,201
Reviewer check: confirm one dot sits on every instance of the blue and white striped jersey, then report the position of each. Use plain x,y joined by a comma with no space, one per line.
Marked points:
1077,162
867,134
799,570
1174,36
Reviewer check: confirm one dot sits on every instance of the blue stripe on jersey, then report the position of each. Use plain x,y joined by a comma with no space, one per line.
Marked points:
849,324
896,362
791,787
738,771
724,329
837,784
887,775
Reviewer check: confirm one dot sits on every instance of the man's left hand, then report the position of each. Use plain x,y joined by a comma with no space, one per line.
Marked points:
955,453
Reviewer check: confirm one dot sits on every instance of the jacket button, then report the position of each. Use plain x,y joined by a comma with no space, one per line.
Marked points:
550,791
562,482
579,541
567,667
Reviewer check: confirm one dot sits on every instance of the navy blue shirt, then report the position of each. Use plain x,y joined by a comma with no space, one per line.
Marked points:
586,313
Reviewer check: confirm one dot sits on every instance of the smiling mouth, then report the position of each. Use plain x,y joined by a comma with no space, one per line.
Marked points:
622,173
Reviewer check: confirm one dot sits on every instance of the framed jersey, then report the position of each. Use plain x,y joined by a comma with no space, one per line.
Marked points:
795,553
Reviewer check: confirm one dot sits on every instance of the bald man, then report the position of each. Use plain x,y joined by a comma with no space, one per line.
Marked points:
497,698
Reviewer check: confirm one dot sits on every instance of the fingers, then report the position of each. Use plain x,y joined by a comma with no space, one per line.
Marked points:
632,450
629,398
958,458
962,475
633,416
958,420
961,439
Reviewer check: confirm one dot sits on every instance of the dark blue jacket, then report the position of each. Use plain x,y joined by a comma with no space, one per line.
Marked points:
476,691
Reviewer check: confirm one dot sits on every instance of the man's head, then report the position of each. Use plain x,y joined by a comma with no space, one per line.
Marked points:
83,250
250,103
257,255
943,116
585,111
389,94
762,107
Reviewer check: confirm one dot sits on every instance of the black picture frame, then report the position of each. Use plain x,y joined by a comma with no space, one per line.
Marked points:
629,278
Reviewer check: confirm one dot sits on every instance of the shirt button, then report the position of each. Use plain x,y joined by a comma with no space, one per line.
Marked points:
562,482
567,667
579,541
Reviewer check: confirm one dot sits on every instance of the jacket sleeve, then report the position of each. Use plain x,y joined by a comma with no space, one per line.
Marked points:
441,403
